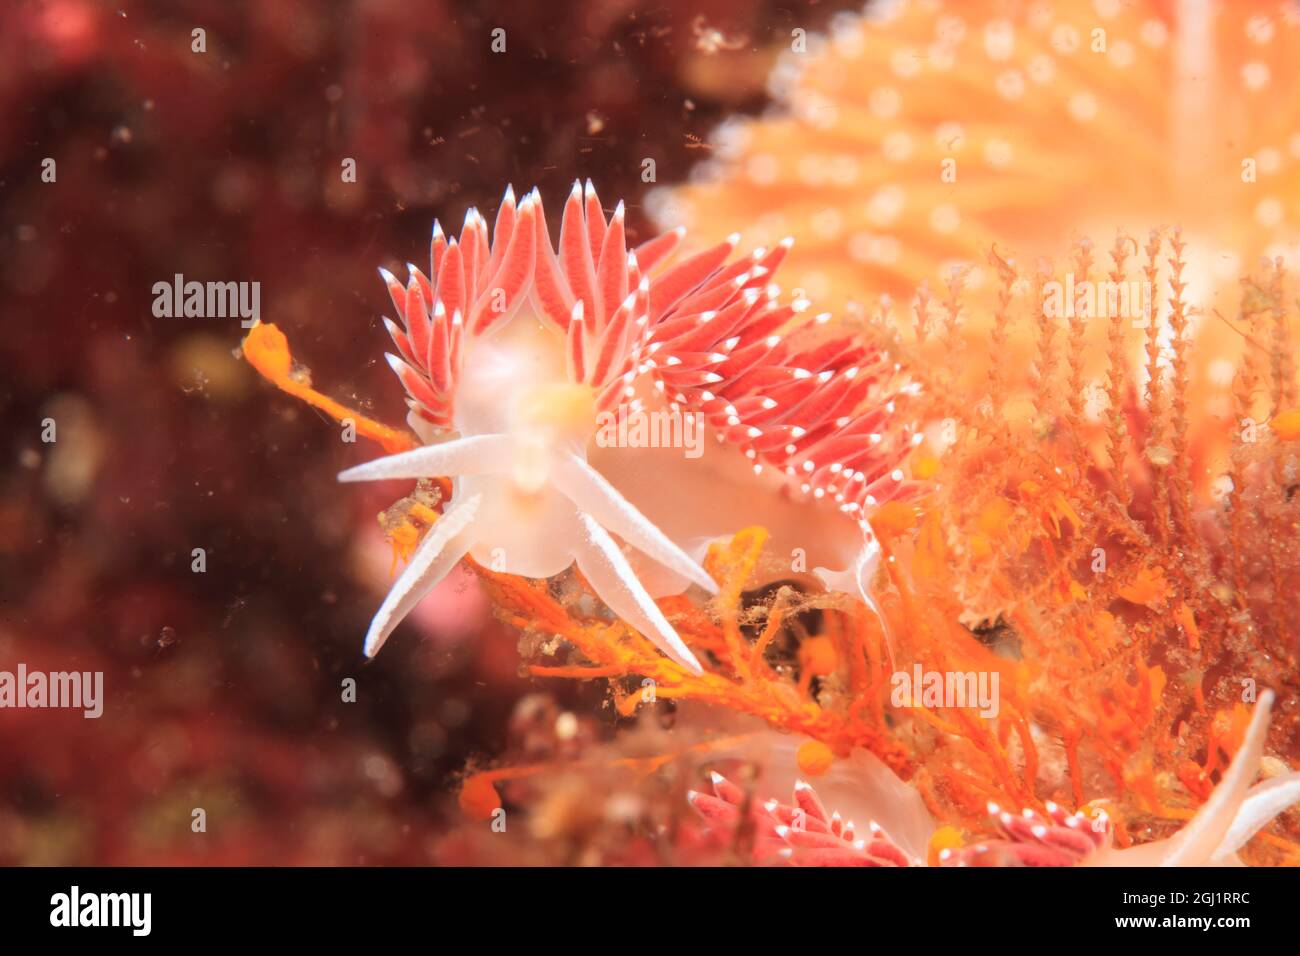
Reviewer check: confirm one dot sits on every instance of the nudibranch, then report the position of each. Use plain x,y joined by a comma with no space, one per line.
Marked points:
804,833
513,352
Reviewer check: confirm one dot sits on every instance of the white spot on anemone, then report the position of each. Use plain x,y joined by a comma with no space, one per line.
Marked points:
1083,107
1255,75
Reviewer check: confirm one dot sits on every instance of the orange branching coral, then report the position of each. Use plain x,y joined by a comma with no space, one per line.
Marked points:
1100,550
742,677
1084,546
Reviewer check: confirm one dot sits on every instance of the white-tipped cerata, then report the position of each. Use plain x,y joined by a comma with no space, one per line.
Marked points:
591,492
611,577
439,552
507,339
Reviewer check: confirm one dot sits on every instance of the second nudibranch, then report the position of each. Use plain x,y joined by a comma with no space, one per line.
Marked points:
510,349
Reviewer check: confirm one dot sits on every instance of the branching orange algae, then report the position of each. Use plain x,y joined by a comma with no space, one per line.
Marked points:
740,678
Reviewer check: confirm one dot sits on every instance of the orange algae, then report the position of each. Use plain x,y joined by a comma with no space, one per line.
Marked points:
814,758
1286,425
944,838
742,681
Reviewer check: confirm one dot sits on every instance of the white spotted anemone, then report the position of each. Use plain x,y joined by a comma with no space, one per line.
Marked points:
513,352
916,134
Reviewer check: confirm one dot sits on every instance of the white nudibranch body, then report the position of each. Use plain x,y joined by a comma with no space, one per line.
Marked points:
511,352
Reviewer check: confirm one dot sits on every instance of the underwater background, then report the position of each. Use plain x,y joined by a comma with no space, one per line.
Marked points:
226,682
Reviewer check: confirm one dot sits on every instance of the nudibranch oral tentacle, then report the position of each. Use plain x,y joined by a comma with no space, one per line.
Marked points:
511,351
585,486
474,455
439,552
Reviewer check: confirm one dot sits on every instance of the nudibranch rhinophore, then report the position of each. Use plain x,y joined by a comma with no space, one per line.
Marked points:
514,353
